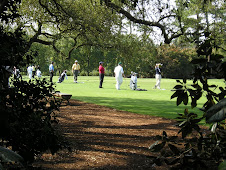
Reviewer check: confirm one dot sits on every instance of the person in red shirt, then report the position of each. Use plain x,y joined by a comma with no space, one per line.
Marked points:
101,73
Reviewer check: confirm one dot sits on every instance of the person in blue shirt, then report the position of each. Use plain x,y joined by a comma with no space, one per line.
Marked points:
51,71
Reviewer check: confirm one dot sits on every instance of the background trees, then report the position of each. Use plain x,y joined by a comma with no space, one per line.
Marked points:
131,30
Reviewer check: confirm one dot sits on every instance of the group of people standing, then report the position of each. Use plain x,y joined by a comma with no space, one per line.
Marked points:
118,72
31,70
63,75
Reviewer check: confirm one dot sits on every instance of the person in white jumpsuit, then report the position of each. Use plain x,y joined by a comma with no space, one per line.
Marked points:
133,81
39,73
29,71
119,73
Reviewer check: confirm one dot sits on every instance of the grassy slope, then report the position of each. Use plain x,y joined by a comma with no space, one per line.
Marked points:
152,102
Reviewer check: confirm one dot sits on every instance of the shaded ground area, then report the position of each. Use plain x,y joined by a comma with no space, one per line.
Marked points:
105,138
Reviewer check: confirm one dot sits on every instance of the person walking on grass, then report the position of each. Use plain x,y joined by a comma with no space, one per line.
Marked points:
75,70
101,73
119,73
158,75
51,71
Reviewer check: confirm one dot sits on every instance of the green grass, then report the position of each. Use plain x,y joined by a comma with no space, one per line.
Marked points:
152,102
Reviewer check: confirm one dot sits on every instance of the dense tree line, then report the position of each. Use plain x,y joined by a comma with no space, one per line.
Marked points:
136,56
91,31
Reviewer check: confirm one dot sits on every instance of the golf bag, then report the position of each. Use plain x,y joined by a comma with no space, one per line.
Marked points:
62,77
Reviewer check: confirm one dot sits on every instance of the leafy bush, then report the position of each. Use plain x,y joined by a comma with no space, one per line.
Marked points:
94,73
27,108
198,150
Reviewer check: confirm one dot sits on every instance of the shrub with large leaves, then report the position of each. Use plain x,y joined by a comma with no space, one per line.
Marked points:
198,150
27,110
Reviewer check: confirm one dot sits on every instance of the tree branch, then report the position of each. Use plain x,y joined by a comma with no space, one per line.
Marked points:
43,42
47,9
144,22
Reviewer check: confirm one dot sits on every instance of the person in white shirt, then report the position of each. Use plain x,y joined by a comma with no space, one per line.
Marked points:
119,73
39,73
29,71
133,81
51,71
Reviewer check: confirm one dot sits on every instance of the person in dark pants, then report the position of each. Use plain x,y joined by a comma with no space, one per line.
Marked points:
51,70
75,70
33,71
101,73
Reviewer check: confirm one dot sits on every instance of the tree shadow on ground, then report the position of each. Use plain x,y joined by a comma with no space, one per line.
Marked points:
105,138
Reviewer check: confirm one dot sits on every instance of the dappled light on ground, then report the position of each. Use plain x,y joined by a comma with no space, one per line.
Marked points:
105,138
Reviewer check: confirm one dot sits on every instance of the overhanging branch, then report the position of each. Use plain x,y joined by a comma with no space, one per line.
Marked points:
144,22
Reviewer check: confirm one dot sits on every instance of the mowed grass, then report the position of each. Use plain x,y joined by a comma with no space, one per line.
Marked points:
151,102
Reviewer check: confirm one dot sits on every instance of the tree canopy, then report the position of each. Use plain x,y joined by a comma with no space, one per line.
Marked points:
69,30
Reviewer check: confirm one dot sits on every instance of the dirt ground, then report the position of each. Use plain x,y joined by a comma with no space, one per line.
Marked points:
103,138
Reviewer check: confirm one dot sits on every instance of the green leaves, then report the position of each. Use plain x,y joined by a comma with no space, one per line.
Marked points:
222,165
30,109
174,149
9,156
181,93
217,112
188,122
156,147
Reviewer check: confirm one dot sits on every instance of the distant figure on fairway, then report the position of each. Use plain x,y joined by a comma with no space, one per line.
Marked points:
29,71
39,73
101,73
6,72
62,76
33,71
119,73
133,81
158,76
16,73
51,71
75,70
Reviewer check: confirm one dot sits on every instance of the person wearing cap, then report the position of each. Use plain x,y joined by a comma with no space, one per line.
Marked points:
51,70
101,73
119,73
75,70
158,76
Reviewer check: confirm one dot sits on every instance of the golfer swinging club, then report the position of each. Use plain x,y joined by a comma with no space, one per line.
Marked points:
158,75
118,75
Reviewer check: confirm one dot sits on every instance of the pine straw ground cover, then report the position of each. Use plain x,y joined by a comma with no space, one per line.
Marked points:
105,138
